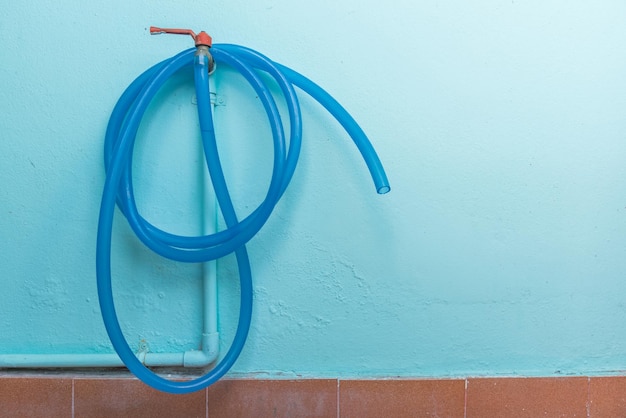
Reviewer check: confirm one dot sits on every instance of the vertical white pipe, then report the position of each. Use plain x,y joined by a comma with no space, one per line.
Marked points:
209,269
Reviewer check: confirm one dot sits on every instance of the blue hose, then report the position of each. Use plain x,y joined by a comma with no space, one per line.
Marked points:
118,188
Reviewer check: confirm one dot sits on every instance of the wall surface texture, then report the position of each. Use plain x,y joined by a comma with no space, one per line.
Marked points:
500,250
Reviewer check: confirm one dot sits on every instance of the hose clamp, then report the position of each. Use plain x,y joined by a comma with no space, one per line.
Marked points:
203,50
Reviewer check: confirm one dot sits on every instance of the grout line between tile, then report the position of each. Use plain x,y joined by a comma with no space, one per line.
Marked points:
338,410
73,398
206,402
465,399
588,404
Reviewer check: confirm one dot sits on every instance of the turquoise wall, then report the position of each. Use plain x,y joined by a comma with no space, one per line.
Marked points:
500,250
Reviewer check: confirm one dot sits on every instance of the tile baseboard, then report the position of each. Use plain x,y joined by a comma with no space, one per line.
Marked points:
481,397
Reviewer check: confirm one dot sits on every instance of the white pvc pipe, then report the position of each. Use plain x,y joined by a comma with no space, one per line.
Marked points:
209,226
209,269
193,358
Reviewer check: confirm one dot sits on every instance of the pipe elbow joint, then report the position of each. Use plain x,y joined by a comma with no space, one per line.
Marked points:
206,356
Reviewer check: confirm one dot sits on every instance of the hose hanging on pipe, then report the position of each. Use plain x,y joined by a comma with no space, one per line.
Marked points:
118,188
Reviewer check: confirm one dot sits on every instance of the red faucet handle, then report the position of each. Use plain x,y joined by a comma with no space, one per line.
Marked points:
202,38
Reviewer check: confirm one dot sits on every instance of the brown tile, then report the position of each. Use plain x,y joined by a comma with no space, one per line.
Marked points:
527,397
131,398
402,398
35,397
273,398
607,396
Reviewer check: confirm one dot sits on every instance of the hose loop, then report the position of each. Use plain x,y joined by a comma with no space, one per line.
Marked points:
118,187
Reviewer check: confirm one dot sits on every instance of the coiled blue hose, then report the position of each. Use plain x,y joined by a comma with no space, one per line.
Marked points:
118,187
